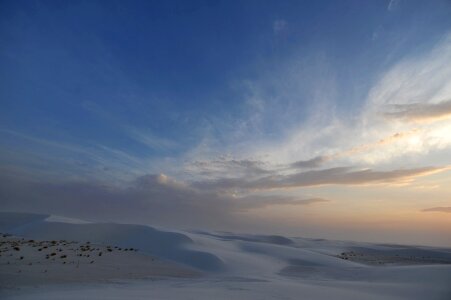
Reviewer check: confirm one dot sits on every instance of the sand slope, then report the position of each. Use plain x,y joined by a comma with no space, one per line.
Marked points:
164,244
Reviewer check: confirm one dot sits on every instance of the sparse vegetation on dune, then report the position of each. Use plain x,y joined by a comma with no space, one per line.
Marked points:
47,261
374,258
39,251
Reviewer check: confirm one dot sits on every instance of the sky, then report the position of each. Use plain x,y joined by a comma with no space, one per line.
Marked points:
323,119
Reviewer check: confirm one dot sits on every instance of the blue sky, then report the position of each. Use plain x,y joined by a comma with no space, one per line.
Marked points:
240,99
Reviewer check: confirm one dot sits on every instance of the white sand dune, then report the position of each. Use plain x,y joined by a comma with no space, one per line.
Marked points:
31,262
164,244
236,266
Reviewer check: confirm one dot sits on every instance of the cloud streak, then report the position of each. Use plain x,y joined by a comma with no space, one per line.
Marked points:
332,176
224,167
420,112
312,163
257,202
438,209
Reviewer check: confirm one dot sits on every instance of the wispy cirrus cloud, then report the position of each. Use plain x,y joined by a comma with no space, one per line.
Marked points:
151,140
410,94
143,136
53,159
415,86
423,79
279,26
393,5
